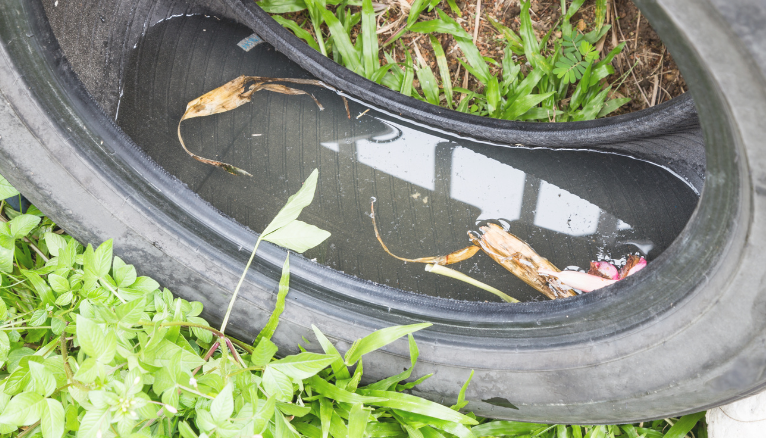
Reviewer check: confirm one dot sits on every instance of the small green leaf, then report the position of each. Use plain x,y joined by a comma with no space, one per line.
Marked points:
23,409
186,431
302,366
295,204
298,236
6,189
43,382
22,225
283,427
379,339
52,421
38,318
263,353
103,258
58,283
278,384
55,243
461,402
223,405
445,24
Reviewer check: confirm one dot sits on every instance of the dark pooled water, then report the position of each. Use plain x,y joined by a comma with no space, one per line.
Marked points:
431,188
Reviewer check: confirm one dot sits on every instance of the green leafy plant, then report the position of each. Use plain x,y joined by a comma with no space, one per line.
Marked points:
559,80
88,348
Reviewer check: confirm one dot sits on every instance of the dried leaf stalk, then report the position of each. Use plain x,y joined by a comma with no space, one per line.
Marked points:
236,93
521,260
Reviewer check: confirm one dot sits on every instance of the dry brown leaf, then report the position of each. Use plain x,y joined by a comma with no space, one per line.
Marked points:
236,93
504,248
521,260
454,257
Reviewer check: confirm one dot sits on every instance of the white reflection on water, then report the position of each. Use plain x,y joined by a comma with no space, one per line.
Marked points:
494,187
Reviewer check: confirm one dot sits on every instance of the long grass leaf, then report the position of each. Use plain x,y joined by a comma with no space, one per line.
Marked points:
524,104
428,84
410,403
684,425
499,428
409,76
454,8
441,61
514,41
342,41
379,339
369,40
445,24
529,38
282,6
298,31
612,105
473,56
417,7
284,286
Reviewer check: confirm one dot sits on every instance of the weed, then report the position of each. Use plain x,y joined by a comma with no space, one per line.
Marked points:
90,349
547,80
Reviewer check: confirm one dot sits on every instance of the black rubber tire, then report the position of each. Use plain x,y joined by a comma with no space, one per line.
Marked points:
682,335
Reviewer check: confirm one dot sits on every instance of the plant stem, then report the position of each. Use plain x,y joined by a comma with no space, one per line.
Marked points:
447,272
195,392
236,290
29,429
241,344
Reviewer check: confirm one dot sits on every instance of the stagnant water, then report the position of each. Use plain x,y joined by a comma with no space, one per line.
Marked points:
431,187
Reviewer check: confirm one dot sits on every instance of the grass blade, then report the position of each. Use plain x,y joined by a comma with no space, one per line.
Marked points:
441,61
342,41
684,425
515,44
409,76
282,6
298,31
410,403
379,339
612,105
369,39
428,84
457,275
284,286
524,104
600,13
499,428
531,45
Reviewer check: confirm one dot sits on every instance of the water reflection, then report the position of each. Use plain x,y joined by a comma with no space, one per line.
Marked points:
432,187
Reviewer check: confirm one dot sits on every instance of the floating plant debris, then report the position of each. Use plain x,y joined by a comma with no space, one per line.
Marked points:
601,274
236,93
509,251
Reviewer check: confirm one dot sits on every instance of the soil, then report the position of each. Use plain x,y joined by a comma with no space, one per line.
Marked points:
654,78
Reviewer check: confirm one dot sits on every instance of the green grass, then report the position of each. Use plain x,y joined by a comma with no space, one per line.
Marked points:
553,79
90,349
